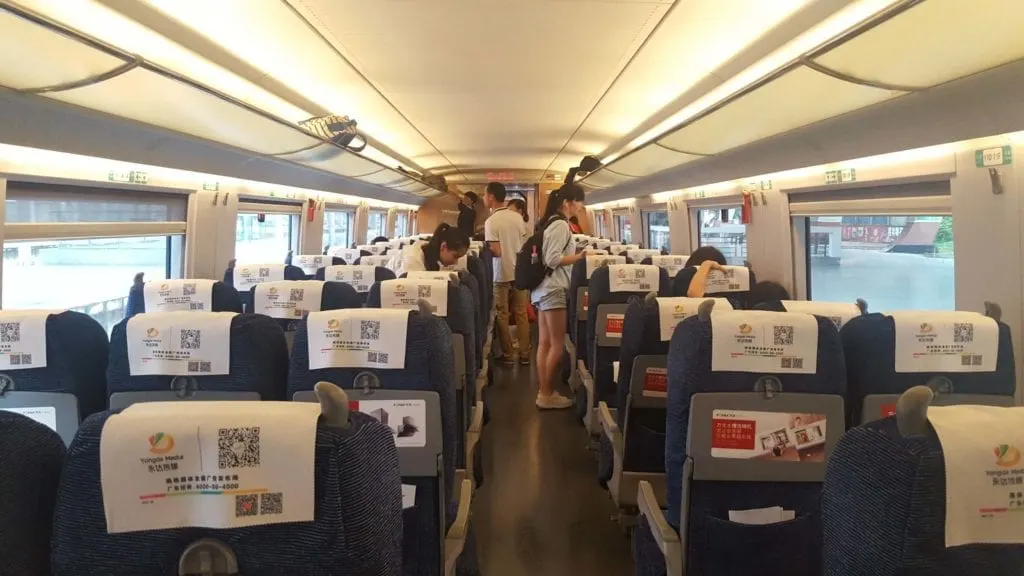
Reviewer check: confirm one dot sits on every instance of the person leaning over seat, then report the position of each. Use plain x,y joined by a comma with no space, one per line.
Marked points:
444,248
550,297
503,233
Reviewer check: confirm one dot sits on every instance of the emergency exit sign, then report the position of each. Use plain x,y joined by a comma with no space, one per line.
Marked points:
993,156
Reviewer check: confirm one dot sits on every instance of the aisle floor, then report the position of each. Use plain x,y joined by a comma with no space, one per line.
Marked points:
541,511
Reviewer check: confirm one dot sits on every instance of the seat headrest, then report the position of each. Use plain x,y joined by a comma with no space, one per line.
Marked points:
838,312
288,299
411,293
309,263
634,278
360,277
194,295
764,342
179,343
944,341
248,275
358,338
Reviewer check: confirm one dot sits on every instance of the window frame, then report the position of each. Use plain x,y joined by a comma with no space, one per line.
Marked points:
290,209
662,209
350,214
64,190
698,227
384,223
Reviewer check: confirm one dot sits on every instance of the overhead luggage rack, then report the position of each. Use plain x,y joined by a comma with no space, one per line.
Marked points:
96,75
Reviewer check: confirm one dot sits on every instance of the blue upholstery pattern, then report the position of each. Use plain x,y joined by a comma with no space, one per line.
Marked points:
76,362
225,299
647,557
869,342
577,329
601,357
429,366
357,528
31,457
258,362
786,548
884,510
485,296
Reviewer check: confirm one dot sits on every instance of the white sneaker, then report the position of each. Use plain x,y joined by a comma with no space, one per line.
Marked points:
553,402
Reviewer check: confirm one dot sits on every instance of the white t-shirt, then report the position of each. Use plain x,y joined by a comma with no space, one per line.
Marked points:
558,242
409,259
506,227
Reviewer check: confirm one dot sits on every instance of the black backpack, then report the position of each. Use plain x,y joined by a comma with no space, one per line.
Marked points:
530,268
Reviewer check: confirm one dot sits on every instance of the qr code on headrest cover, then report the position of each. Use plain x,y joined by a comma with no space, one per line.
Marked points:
188,289
369,329
783,335
238,448
10,332
963,333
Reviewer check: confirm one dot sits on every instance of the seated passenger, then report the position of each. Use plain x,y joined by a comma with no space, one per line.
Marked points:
445,248
379,239
767,295
707,258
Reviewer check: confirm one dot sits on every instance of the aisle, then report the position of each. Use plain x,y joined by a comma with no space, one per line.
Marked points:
541,511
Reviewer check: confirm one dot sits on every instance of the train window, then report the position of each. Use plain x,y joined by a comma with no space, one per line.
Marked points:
625,228
893,262
37,272
401,224
265,237
657,230
723,228
377,225
338,228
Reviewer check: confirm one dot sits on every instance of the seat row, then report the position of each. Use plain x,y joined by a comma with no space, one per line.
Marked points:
397,363
734,420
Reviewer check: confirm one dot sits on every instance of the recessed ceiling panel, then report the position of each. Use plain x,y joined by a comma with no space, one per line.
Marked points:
694,40
155,99
386,178
491,83
649,160
33,57
935,42
274,38
797,99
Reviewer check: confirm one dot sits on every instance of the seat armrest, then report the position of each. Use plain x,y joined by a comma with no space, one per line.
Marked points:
610,427
455,540
666,538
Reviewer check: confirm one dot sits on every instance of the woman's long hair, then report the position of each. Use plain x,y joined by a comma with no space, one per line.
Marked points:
568,192
457,241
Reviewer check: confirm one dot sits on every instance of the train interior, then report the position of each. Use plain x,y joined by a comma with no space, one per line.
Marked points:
792,322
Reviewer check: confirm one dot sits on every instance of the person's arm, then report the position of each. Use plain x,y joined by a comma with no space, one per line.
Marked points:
554,246
698,285
492,238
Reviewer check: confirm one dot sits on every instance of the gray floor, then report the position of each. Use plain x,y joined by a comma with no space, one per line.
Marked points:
541,511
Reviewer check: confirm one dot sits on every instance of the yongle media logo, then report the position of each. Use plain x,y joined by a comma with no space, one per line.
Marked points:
1007,456
160,446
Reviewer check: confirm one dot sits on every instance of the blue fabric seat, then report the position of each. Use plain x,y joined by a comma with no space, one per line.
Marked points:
290,273
884,510
869,342
258,362
643,428
380,274
712,540
460,320
76,362
31,458
601,357
357,527
225,298
430,367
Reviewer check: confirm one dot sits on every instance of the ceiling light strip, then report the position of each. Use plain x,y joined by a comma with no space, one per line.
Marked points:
58,28
821,68
88,81
869,24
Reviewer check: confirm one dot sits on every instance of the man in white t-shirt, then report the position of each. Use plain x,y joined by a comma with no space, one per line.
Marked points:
503,233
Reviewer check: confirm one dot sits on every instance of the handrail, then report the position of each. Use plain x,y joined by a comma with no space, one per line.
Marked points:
58,28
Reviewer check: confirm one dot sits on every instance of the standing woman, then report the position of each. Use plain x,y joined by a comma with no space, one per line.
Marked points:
551,296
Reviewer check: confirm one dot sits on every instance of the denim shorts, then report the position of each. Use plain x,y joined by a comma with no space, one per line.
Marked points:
553,300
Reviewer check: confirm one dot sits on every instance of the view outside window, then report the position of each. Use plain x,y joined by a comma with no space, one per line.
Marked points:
401,224
657,231
337,229
723,228
267,241
91,275
625,229
377,225
892,262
